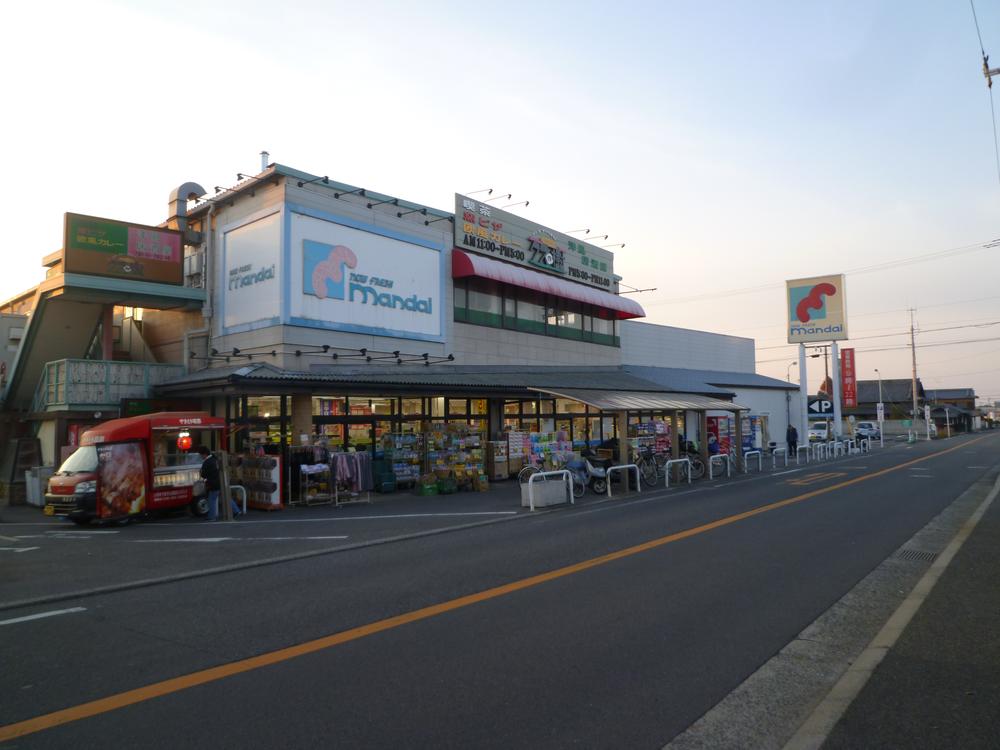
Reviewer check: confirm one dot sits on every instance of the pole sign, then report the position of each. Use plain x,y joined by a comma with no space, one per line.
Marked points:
880,411
820,407
817,309
927,413
848,383
487,230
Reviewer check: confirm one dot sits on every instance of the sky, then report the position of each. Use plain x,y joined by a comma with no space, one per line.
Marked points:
729,145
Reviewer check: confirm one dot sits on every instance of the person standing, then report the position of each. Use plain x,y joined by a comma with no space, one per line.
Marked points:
213,483
792,438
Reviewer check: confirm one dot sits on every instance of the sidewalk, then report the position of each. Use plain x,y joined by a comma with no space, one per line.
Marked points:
939,684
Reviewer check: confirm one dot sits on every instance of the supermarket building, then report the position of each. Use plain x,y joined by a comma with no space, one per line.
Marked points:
305,310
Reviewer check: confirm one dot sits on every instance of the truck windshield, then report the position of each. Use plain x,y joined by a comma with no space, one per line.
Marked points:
83,460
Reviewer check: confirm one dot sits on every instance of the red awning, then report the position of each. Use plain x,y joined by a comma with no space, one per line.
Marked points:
469,264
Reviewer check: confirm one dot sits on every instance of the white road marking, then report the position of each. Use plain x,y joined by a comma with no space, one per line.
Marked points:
8,538
18,549
977,467
239,539
40,615
80,532
192,539
328,519
782,473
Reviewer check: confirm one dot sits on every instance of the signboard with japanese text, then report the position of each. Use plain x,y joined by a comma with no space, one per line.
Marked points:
848,381
817,309
487,230
104,247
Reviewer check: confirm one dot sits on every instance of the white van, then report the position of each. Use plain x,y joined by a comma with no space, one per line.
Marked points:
819,432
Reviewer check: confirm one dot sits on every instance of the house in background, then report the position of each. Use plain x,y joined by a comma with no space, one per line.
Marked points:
897,395
954,409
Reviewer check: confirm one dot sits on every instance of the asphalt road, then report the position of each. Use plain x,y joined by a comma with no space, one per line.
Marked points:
615,624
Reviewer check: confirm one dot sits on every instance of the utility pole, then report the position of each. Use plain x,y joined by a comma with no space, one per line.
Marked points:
913,354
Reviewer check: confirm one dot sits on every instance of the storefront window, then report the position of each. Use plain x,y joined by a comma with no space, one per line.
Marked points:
437,406
383,406
594,427
509,311
264,406
413,406
484,302
512,407
604,331
530,313
567,406
478,406
325,406
546,406
528,407
458,406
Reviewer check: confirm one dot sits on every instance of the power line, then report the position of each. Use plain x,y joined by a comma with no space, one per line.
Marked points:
887,265
989,86
901,347
900,333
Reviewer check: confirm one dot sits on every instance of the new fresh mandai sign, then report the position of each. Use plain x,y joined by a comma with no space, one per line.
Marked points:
817,309
346,278
487,230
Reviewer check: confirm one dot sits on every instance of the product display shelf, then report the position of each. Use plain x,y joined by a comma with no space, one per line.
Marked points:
260,476
405,454
550,450
456,449
316,485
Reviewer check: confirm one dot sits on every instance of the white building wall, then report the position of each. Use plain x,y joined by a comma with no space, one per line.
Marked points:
666,346
776,405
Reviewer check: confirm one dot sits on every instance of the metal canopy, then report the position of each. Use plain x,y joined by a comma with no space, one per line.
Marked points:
643,400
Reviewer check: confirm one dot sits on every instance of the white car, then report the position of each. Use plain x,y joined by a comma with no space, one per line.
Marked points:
867,430
819,432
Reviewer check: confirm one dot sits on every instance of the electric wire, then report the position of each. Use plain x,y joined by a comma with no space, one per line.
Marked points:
993,111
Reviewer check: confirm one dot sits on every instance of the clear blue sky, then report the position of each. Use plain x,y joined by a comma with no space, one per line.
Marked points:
729,145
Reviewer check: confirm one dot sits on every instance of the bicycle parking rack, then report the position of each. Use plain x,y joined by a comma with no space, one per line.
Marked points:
865,445
819,451
760,461
243,493
774,457
806,450
686,462
624,467
551,497
851,447
839,449
720,457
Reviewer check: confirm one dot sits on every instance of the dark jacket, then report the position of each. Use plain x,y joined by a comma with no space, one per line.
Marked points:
792,436
210,473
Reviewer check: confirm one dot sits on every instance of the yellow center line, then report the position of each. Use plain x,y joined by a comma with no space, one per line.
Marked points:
176,684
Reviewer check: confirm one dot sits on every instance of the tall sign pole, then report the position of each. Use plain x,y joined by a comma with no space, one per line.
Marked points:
835,356
803,396
913,354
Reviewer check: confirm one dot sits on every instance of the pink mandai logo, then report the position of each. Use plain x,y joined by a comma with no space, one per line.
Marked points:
331,270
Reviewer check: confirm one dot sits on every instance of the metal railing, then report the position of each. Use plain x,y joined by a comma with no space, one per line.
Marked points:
685,462
804,450
720,457
774,457
624,467
760,461
242,491
70,383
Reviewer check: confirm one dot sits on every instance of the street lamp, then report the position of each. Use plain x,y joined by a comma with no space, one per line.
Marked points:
881,410
788,370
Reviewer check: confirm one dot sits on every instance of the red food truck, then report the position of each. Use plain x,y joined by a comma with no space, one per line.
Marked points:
133,466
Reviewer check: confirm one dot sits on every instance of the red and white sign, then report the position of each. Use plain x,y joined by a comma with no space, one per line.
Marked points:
848,383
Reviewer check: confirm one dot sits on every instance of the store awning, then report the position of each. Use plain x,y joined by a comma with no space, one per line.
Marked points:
469,264
643,400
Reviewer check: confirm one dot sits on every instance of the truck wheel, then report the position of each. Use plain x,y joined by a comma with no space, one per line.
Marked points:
199,506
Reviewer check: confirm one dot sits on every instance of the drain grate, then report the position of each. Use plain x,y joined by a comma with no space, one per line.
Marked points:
917,555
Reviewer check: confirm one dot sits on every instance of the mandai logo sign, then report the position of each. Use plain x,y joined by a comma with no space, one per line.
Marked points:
326,275
816,309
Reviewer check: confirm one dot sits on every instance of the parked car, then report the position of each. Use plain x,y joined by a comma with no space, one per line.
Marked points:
867,430
819,432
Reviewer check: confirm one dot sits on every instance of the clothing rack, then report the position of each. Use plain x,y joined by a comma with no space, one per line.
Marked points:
352,477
